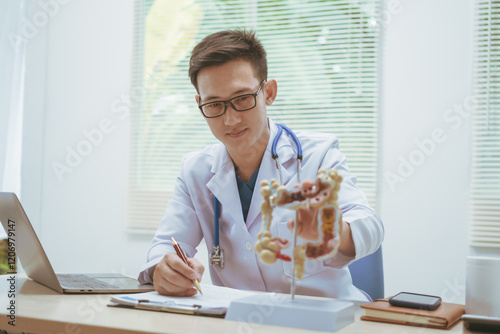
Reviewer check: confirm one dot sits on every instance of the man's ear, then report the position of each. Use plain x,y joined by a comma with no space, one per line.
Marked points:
271,90
197,97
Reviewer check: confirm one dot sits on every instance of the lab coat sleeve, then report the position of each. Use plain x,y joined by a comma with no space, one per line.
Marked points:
179,221
366,227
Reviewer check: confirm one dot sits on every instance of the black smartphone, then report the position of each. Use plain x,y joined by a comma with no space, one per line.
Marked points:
415,300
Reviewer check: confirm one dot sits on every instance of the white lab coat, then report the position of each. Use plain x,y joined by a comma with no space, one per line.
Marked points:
189,217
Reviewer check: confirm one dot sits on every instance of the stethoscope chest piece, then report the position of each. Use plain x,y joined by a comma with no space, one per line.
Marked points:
217,256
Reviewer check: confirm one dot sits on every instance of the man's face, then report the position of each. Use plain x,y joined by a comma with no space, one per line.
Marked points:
242,132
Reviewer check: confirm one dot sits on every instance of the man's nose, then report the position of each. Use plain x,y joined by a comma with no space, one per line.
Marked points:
231,117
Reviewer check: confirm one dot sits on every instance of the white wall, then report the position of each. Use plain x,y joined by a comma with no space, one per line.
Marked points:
11,98
80,62
426,71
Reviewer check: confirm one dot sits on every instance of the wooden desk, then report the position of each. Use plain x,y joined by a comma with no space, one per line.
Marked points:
42,310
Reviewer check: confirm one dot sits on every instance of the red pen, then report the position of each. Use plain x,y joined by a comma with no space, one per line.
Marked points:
180,252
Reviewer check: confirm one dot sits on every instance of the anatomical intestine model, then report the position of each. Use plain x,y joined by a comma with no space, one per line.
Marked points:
317,220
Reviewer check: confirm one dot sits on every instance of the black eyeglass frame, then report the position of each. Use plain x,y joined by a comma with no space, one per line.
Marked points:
230,101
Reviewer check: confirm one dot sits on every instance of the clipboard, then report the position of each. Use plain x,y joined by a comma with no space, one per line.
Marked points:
166,306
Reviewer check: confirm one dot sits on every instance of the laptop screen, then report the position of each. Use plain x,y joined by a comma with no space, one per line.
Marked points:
27,245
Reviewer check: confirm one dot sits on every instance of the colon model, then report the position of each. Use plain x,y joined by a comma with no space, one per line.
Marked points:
318,218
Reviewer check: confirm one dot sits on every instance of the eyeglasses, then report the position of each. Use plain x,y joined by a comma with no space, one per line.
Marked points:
239,103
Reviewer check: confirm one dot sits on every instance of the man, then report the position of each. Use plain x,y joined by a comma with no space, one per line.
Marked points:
229,71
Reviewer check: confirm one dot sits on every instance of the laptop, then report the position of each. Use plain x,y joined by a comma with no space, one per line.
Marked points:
482,323
37,265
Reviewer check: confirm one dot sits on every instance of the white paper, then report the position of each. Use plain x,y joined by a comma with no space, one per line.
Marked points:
213,296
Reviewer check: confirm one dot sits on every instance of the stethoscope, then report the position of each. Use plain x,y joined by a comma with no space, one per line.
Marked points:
217,254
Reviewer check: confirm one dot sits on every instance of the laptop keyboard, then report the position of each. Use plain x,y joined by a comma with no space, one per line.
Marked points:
80,281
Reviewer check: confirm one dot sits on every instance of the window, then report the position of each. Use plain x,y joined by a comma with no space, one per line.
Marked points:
322,53
485,174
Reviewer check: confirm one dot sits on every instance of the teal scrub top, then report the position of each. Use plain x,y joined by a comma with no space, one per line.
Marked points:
246,191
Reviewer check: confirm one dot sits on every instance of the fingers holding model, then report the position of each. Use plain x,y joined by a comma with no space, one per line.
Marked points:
173,277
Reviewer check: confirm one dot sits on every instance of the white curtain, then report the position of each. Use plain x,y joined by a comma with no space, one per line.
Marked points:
12,55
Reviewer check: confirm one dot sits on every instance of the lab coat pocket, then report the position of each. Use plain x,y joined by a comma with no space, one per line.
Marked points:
312,267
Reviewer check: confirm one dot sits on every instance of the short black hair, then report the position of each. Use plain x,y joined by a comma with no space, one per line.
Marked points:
223,46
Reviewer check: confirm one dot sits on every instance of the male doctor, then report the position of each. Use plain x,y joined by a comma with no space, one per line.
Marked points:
229,71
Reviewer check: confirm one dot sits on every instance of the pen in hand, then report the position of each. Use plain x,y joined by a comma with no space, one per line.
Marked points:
180,252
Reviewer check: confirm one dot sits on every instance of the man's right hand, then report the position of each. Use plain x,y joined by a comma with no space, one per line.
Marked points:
172,277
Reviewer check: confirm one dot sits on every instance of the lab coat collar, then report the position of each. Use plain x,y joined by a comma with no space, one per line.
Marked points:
223,184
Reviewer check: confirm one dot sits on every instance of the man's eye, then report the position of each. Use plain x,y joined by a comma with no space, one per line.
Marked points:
243,98
213,105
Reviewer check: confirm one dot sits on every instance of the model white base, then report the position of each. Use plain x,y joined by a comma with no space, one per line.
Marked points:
280,310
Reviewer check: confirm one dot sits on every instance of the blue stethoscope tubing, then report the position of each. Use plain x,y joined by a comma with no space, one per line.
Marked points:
281,127
216,221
